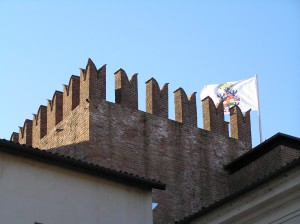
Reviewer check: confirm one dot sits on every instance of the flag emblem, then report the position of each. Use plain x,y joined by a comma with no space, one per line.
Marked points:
228,96
241,93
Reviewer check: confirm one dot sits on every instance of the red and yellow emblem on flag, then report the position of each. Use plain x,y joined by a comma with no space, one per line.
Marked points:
241,93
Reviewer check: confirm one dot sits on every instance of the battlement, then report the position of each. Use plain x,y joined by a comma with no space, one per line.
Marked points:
185,107
25,133
213,117
71,95
39,129
240,124
92,83
14,137
90,86
157,99
54,110
126,90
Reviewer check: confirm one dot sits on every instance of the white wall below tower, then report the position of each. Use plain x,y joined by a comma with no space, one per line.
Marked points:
32,191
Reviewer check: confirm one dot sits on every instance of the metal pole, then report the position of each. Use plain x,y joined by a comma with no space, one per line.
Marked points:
259,112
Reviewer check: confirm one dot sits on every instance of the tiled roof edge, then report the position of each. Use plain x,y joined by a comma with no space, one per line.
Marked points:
78,165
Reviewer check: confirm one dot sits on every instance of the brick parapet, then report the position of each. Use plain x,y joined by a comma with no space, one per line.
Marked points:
39,129
240,125
213,117
14,137
92,83
185,107
54,110
126,90
90,89
25,133
71,95
157,99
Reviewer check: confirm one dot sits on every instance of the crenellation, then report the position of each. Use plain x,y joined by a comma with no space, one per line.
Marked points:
25,133
39,129
54,110
14,137
71,94
185,107
126,90
157,99
90,87
213,117
92,83
240,125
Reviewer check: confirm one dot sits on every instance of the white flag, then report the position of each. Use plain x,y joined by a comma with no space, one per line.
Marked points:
241,93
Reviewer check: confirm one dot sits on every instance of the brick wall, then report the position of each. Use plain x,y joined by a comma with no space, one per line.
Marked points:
188,159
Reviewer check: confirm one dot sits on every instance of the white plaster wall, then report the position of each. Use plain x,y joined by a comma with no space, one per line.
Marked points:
277,201
31,191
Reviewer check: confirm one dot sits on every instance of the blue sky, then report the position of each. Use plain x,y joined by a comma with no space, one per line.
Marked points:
185,43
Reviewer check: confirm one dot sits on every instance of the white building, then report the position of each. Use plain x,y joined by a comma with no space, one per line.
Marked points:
38,186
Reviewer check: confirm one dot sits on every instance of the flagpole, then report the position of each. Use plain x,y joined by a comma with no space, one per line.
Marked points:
259,112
